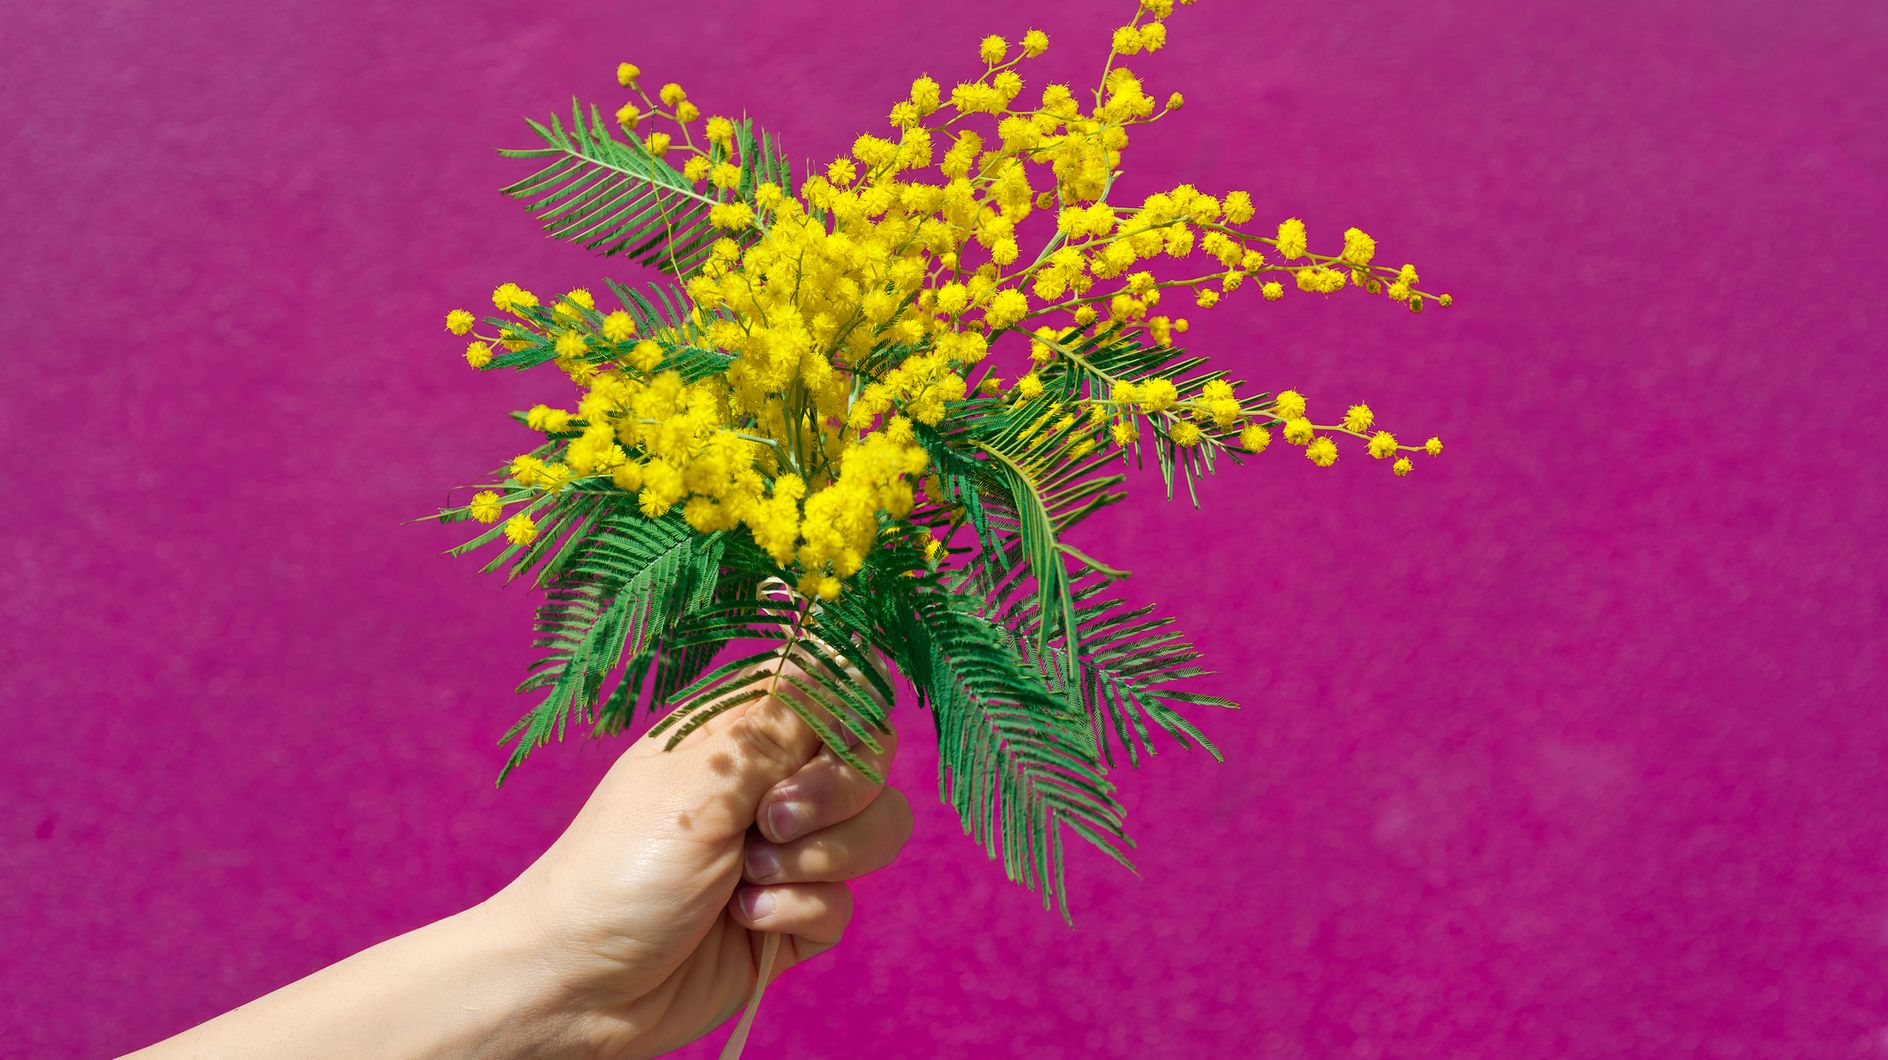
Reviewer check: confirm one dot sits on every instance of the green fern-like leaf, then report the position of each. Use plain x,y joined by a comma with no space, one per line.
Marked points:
562,520
1032,470
665,318
1129,671
624,584
615,197
1014,760
665,666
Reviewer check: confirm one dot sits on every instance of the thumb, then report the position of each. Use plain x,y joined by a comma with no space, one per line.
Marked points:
769,739
761,743
766,741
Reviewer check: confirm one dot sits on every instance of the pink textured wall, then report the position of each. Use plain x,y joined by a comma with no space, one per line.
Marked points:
1569,745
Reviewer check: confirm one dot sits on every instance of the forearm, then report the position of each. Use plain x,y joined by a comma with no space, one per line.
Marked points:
640,929
466,986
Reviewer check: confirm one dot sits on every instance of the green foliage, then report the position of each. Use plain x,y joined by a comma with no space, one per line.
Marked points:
613,196
1127,667
1014,760
615,590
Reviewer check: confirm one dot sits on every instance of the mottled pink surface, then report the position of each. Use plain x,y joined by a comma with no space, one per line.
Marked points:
1569,745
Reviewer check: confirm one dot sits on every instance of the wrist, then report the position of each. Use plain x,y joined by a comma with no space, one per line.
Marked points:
577,994
506,985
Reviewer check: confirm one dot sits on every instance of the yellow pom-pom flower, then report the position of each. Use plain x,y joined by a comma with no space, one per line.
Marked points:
1322,452
520,529
1358,247
645,356
485,506
926,96
1006,308
459,322
1358,418
1156,395
1291,239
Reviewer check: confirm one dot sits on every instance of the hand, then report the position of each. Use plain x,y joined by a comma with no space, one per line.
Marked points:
638,931
649,910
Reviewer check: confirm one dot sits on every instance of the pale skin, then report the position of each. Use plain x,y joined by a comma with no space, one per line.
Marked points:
638,931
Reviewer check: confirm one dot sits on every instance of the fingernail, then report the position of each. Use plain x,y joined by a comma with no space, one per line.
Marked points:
787,818
756,903
763,860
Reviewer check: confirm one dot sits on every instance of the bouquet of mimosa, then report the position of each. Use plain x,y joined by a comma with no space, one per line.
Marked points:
812,395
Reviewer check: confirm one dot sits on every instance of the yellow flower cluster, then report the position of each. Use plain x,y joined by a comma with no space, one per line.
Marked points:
1216,415
1321,450
855,306
674,443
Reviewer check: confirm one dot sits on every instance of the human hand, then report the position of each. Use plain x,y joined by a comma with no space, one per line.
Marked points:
638,931
648,913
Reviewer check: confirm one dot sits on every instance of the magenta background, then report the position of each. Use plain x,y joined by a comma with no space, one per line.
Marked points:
1569,745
